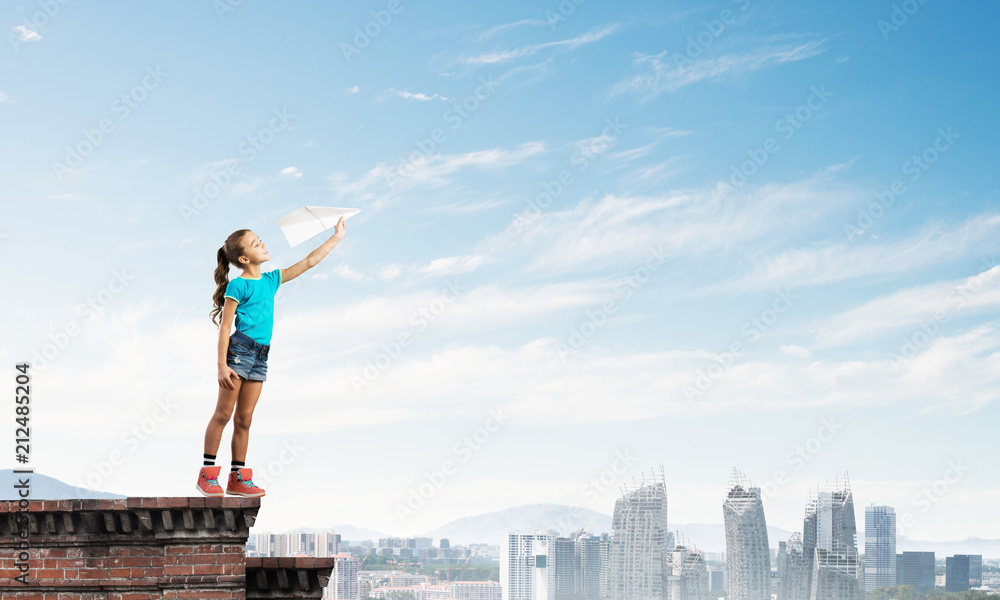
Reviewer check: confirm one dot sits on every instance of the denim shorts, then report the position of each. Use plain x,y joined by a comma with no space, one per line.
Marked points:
247,356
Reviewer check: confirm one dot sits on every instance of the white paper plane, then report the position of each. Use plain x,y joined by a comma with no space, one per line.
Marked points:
300,225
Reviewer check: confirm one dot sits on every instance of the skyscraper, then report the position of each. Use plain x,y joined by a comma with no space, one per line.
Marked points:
524,566
793,570
915,569
594,565
829,543
687,577
962,572
568,568
640,548
880,547
748,559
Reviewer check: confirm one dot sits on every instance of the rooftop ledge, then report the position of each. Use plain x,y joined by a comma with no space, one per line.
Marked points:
144,548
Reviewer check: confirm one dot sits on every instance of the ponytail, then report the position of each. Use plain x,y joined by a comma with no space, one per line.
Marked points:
229,253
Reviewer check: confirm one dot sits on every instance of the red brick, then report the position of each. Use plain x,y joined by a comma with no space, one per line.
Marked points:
208,569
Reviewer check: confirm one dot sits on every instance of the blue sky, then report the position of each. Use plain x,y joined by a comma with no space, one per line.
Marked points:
704,235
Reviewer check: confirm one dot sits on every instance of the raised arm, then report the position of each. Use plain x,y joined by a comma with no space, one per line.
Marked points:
316,255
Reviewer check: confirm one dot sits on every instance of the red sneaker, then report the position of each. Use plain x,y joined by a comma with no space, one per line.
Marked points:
240,484
208,482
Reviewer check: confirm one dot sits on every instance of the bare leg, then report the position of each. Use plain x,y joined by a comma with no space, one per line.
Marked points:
247,401
223,411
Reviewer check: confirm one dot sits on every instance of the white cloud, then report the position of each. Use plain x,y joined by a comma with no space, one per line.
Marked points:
353,90
418,95
3,97
508,26
934,304
424,171
453,265
389,272
26,34
291,172
491,58
668,74
344,271
836,262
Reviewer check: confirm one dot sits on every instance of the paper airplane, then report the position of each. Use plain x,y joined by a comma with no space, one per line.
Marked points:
300,225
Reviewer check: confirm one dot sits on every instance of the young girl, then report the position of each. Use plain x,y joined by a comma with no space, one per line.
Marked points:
243,357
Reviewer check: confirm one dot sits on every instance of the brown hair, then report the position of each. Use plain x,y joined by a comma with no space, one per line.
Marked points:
229,253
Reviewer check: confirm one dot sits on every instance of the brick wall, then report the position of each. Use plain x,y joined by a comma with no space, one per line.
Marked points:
130,549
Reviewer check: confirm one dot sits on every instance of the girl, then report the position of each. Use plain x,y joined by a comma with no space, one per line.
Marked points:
243,357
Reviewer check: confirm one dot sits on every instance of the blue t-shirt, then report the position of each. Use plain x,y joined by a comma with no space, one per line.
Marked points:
255,311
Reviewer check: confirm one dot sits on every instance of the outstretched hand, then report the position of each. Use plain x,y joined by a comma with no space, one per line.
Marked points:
341,228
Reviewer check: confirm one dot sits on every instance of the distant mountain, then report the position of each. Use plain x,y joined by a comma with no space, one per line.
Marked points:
44,487
972,545
348,533
493,527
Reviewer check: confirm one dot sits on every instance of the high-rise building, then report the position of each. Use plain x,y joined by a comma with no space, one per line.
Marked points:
687,577
594,565
793,570
525,571
327,543
566,559
716,578
915,569
640,547
829,543
880,547
962,572
343,583
748,560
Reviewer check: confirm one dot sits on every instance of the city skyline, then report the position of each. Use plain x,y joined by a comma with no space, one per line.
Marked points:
591,238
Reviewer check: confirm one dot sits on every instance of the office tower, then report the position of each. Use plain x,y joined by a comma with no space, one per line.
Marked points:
566,559
716,579
975,570
593,565
640,547
793,570
748,560
327,544
880,547
829,543
524,566
687,578
301,543
962,572
915,569
343,583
